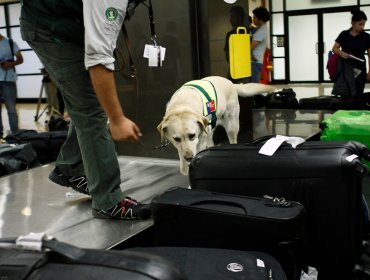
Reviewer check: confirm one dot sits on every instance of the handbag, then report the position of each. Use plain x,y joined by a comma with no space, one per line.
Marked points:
332,65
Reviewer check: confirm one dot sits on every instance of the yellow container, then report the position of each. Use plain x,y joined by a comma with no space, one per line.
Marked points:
240,54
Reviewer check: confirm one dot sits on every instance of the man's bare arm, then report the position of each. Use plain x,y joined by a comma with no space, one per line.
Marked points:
121,127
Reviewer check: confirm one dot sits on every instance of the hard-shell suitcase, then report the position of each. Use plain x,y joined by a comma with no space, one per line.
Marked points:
195,218
219,264
326,177
63,261
347,126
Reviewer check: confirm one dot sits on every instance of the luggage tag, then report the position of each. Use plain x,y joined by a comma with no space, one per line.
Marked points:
351,157
271,146
155,55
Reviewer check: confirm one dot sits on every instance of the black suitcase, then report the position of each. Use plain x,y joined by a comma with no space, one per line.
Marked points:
46,144
195,218
219,264
63,261
325,102
317,174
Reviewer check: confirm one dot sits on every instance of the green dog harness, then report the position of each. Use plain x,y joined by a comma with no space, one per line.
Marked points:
209,96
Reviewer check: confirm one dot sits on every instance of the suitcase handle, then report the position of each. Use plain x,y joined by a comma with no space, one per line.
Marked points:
220,202
261,139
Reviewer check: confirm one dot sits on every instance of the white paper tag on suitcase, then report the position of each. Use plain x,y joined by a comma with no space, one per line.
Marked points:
351,157
260,263
270,147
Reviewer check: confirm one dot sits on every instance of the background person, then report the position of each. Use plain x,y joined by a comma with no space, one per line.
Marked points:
8,88
259,41
353,41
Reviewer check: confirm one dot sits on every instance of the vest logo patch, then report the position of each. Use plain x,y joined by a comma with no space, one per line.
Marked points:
111,14
211,108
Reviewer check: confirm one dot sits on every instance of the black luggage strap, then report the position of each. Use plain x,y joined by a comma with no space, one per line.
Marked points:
133,260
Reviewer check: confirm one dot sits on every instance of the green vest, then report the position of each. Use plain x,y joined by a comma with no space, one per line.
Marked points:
63,18
208,94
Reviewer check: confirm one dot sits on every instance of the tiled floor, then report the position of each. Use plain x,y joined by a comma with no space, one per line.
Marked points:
27,113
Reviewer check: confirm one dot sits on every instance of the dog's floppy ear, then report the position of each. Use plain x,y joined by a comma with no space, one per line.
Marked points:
162,128
203,122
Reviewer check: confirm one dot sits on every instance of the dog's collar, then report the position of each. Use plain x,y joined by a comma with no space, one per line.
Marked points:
209,97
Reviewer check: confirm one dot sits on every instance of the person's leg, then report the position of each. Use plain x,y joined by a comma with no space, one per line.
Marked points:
89,132
10,99
1,105
256,72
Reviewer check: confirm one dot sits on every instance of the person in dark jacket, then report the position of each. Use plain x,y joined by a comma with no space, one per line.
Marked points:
351,46
75,41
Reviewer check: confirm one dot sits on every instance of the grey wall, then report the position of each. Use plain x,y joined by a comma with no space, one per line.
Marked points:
193,32
176,26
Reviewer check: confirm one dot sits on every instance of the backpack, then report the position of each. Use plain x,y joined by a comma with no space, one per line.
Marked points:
332,65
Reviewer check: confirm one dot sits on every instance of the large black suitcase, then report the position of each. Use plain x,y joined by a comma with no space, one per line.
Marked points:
317,174
63,261
195,218
219,264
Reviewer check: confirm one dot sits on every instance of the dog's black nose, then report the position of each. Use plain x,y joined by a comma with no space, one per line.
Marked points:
188,159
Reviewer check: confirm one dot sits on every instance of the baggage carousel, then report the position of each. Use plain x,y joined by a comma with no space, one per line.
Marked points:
29,202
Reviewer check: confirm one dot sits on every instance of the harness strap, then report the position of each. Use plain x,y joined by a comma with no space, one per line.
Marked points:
209,99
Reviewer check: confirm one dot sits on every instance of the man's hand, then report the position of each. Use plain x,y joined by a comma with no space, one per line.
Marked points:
124,129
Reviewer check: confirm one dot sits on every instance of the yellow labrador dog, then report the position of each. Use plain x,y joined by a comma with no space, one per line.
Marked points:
197,107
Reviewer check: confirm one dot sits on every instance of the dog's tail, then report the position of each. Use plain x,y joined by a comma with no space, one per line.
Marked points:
251,89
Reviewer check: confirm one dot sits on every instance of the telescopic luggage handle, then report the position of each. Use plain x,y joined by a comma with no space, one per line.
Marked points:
261,139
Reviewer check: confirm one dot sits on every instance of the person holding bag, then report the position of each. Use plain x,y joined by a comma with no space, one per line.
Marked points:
351,46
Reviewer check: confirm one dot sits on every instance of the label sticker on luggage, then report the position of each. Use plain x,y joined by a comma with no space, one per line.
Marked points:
351,157
270,147
260,263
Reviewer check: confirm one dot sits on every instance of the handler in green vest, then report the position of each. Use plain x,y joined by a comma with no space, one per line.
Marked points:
75,39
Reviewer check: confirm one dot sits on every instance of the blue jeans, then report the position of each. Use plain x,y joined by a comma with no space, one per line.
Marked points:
256,72
8,95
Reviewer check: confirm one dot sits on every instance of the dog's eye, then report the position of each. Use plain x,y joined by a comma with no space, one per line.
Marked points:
177,139
191,136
